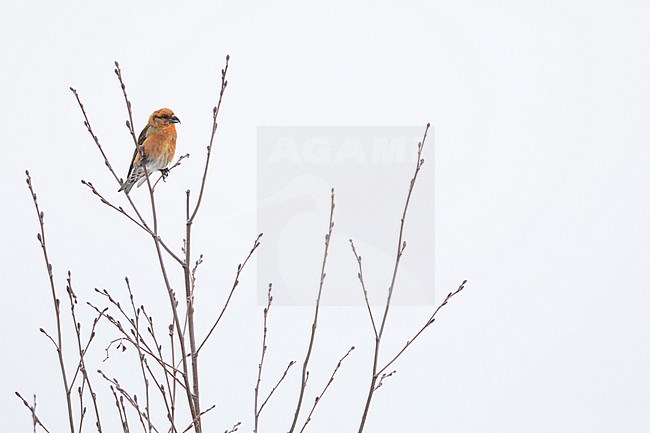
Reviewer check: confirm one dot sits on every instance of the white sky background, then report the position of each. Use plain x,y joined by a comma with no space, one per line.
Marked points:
541,116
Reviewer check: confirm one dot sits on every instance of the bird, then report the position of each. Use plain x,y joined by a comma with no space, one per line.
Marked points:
157,142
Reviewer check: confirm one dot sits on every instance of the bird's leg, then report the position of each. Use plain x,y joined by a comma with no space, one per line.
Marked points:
165,173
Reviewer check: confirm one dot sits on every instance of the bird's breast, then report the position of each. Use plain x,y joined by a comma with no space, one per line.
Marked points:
160,145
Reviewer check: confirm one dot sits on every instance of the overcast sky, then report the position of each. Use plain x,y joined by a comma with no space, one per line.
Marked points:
540,158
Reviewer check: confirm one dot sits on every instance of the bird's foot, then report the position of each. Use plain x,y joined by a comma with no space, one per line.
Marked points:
164,172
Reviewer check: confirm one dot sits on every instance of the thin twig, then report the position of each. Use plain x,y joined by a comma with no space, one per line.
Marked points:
199,415
126,337
32,408
277,384
172,397
56,302
329,382
82,352
121,410
176,164
259,408
167,374
198,263
160,387
129,123
234,428
145,347
382,377
121,210
305,374
240,269
84,349
363,287
428,323
82,408
101,150
401,245
133,400
262,356
141,358
189,311
215,125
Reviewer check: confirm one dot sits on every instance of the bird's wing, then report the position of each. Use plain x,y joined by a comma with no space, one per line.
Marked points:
136,155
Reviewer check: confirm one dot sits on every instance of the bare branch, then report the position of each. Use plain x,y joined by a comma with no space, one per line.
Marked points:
303,382
127,337
129,123
101,150
263,355
94,137
240,269
174,388
199,415
82,352
234,428
429,322
198,263
121,210
169,402
382,377
401,245
176,164
133,401
277,384
49,338
363,287
121,410
32,408
55,301
189,300
82,408
400,242
329,382
141,358
215,114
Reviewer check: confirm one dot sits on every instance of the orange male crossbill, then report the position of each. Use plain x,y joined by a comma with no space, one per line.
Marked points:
157,142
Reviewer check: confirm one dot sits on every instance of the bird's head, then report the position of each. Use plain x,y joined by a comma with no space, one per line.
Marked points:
163,117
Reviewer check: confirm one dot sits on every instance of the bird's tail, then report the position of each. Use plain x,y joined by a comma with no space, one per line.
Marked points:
128,184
